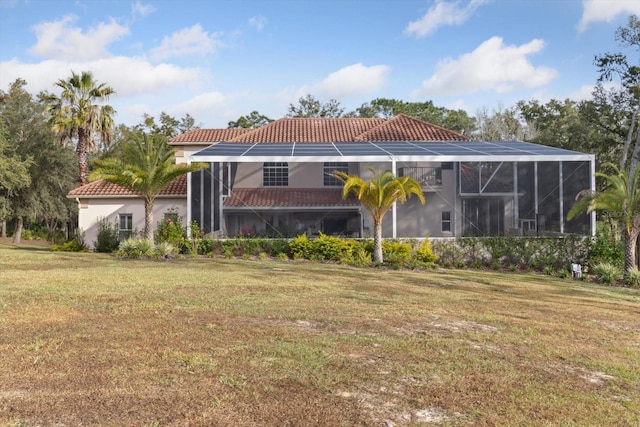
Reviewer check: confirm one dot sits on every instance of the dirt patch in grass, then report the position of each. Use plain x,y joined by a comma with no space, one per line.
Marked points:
87,339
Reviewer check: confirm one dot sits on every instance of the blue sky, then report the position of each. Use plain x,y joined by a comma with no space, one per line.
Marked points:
218,60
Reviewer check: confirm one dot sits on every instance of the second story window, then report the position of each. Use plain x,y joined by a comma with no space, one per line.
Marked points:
275,174
328,168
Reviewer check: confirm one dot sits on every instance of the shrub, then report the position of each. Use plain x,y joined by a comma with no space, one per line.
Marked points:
330,248
633,277
300,247
76,244
448,253
395,253
165,250
275,247
171,230
607,245
360,257
107,236
607,273
424,253
193,246
472,251
135,248
27,234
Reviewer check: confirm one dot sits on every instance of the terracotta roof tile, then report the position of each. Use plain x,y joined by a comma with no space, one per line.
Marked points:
405,128
207,136
287,197
398,128
107,189
310,130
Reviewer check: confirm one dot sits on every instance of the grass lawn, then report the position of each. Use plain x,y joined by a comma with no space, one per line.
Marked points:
88,339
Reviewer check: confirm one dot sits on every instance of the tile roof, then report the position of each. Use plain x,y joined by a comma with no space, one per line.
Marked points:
287,197
345,129
405,128
310,130
207,136
107,189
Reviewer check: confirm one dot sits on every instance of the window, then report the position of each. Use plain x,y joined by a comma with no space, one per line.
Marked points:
329,168
275,174
226,179
173,216
125,226
446,221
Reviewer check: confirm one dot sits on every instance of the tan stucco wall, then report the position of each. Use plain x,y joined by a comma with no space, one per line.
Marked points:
184,151
91,210
412,218
301,175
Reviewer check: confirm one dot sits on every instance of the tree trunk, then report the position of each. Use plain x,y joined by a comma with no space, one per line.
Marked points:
377,242
81,152
18,232
630,238
148,219
4,228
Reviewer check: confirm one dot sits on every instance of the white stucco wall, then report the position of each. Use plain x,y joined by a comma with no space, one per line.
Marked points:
92,209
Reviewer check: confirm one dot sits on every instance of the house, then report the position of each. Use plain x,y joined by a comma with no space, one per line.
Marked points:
276,180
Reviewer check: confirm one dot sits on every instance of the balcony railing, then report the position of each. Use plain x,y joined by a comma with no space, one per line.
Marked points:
429,178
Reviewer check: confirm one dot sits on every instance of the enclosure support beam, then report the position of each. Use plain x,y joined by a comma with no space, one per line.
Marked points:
516,208
188,199
561,195
535,193
394,234
592,170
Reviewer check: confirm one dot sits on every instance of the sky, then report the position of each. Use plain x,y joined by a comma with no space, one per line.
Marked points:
218,60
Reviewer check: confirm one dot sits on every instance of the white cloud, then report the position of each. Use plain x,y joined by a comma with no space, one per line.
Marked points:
258,22
202,103
139,9
491,66
443,13
585,92
352,80
115,71
605,10
60,40
188,41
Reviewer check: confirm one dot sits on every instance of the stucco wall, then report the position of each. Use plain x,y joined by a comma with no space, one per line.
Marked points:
91,210
301,175
184,151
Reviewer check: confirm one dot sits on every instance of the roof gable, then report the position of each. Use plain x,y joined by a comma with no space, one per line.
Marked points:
207,136
325,129
310,130
103,188
405,128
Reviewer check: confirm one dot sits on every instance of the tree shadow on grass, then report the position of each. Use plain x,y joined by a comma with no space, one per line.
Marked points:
26,247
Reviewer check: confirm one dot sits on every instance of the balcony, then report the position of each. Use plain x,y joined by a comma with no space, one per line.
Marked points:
430,179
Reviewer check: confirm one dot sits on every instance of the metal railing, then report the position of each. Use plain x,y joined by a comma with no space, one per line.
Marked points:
427,177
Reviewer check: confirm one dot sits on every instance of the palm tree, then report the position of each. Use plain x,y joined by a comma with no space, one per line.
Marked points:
74,114
621,199
378,196
146,167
